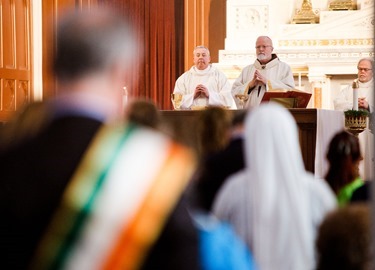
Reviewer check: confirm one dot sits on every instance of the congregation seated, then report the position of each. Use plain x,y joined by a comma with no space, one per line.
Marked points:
213,126
274,204
212,135
216,168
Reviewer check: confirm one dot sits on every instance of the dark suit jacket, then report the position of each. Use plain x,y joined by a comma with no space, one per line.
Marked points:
362,194
215,170
34,174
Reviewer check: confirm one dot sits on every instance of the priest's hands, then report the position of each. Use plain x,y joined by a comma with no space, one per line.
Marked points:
362,103
201,90
258,78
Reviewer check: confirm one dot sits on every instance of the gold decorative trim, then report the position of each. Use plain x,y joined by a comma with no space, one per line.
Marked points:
342,5
306,14
326,42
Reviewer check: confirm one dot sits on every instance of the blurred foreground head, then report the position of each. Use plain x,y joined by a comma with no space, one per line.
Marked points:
95,50
143,112
343,155
344,239
91,42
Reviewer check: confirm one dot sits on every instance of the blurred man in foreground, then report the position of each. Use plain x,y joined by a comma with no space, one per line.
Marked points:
82,192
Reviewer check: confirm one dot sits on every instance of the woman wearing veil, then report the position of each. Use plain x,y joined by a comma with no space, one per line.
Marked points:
274,204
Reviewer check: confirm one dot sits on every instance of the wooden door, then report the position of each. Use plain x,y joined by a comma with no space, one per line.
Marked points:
15,55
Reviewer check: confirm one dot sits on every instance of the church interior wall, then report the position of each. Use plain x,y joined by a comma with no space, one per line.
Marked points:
322,54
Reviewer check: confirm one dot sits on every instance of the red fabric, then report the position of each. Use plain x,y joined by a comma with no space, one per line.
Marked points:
158,25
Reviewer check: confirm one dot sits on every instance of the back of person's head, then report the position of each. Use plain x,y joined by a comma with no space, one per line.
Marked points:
143,112
344,239
271,141
275,181
238,123
91,41
213,129
343,155
239,118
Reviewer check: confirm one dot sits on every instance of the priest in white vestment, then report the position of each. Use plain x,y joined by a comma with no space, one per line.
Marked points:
344,102
267,71
203,84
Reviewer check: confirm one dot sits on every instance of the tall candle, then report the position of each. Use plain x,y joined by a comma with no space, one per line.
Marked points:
355,95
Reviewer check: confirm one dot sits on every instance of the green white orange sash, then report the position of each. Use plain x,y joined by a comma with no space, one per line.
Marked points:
117,202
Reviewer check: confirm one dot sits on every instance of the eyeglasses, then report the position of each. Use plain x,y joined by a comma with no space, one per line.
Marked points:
262,47
363,69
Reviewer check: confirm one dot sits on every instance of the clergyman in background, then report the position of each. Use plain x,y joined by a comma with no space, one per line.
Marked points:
266,71
203,84
344,102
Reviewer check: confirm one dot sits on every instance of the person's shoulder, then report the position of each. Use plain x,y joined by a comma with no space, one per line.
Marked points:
234,183
216,70
231,152
282,63
221,247
224,202
184,75
246,70
363,193
248,67
321,193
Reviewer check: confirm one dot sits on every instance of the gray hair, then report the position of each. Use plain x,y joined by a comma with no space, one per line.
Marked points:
369,59
91,41
201,47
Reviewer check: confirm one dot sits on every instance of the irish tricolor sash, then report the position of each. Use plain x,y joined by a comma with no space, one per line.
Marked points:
117,202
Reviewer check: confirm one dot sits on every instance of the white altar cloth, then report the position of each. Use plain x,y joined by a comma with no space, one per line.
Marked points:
329,122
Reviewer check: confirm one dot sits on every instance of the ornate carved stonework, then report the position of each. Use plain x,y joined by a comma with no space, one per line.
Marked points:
253,17
343,5
8,95
306,14
324,53
23,95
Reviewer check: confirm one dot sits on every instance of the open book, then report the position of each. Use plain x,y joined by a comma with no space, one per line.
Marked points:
289,98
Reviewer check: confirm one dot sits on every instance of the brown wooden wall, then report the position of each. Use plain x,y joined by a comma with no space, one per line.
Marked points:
205,24
15,56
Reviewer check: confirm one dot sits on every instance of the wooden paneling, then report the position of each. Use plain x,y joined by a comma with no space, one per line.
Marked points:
15,55
196,27
205,24
217,28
